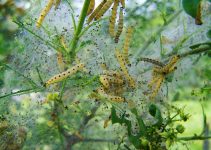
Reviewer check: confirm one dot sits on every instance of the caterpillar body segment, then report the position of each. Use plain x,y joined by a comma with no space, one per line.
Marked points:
127,44
152,61
105,7
44,12
117,99
112,73
113,19
96,11
198,19
157,87
60,61
104,81
172,62
120,26
91,7
122,64
57,3
122,3
65,74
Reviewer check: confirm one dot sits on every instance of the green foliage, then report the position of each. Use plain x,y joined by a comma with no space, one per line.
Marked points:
190,7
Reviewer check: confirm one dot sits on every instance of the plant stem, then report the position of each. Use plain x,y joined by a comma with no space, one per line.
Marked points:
75,39
194,138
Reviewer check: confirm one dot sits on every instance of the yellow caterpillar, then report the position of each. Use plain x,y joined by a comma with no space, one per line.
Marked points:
157,86
112,73
117,99
106,123
96,11
120,26
127,43
122,64
65,74
91,7
122,3
105,7
173,61
104,81
113,18
60,61
44,12
57,3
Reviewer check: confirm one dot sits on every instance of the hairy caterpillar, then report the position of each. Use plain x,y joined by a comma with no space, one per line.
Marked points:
113,18
105,7
105,80
91,7
122,64
127,43
120,26
155,62
57,3
44,12
96,11
65,74
60,61
122,3
198,19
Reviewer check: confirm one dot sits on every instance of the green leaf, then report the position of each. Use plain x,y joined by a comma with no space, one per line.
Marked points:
209,33
156,113
190,7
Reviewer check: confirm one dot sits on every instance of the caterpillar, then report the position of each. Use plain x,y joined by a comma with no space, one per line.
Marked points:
91,7
112,73
198,19
157,87
120,26
155,62
62,41
44,12
102,92
104,81
103,66
113,18
57,3
64,75
122,64
96,11
60,61
127,43
122,3
171,63
105,7
110,79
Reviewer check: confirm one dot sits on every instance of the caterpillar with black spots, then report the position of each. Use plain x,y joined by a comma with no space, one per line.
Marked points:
105,7
122,64
64,75
113,98
44,12
120,26
96,11
152,61
113,18
127,43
